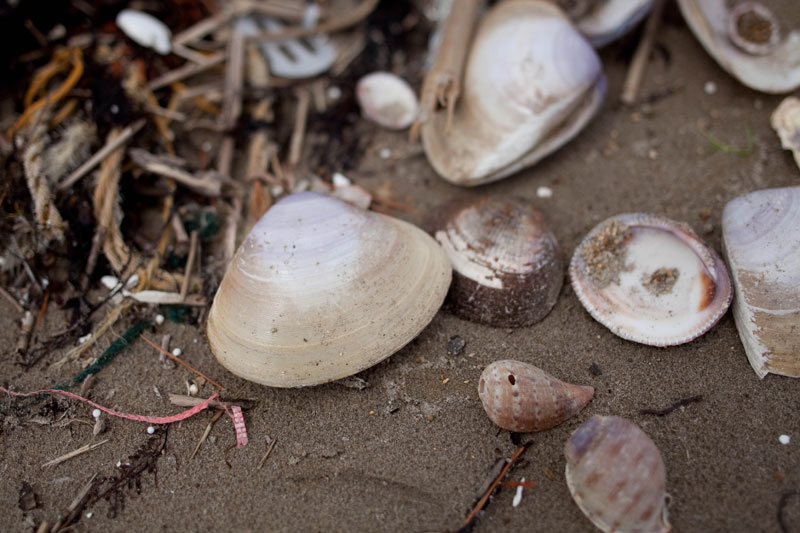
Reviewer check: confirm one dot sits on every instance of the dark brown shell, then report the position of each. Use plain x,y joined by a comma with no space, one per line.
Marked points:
521,397
507,265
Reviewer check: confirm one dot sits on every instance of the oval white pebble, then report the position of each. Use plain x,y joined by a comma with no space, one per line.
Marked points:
146,30
387,100
96,413
192,389
150,430
176,352
710,87
159,319
784,439
544,192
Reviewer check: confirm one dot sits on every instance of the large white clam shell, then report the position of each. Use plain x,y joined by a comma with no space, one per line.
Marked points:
617,477
320,290
761,234
531,83
777,71
602,21
650,279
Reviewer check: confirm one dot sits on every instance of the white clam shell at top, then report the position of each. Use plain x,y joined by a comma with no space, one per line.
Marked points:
650,279
531,83
761,233
777,71
145,30
606,20
320,290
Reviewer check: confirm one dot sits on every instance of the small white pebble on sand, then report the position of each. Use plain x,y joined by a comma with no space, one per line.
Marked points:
150,430
784,439
193,389
334,93
109,282
340,180
710,87
518,496
82,340
544,192
385,153
89,514
159,319
96,414
176,352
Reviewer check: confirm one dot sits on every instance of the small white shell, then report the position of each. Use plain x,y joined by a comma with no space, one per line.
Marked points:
145,30
776,68
531,83
320,290
650,279
617,477
761,233
387,100
785,120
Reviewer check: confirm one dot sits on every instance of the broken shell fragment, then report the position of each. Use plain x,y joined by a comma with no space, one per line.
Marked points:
508,267
746,41
531,83
785,120
617,477
320,290
387,100
522,398
145,30
761,235
603,21
650,279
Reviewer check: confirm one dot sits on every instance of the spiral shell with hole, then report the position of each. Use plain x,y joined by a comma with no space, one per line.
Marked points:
746,40
761,235
320,290
617,477
531,83
603,21
508,267
650,279
522,398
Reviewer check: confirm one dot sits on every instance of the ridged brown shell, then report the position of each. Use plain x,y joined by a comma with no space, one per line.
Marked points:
520,397
507,266
617,477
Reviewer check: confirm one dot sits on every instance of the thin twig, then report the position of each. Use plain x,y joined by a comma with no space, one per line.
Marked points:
110,146
206,432
182,363
13,301
633,80
207,184
74,453
187,70
187,273
181,400
485,498
673,407
300,118
234,76
266,455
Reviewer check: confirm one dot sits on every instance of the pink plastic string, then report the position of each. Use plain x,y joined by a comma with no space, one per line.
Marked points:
236,415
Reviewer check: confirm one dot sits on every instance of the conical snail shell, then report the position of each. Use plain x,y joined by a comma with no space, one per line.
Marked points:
772,70
320,290
508,267
650,279
531,83
617,477
761,233
521,397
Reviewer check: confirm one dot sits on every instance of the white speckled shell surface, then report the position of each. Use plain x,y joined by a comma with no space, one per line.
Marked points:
698,297
531,83
320,290
761,234
617,477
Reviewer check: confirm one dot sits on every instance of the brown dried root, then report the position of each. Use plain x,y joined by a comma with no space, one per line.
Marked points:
442,85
